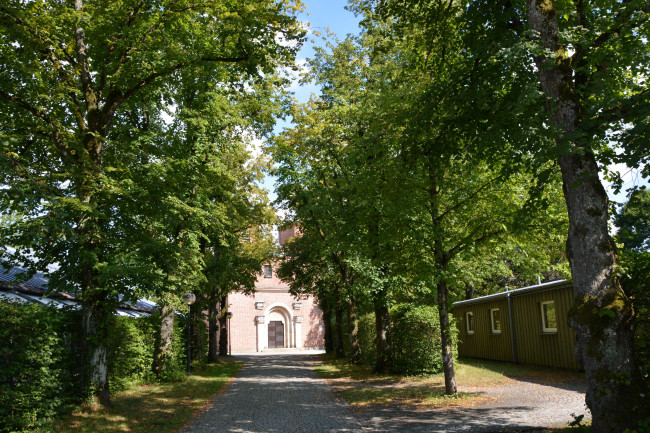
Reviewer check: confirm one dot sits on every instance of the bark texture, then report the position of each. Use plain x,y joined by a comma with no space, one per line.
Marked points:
382,335
603,315
223,329
213,333
340,349
327,324
446,339
95,328
163,356
353,332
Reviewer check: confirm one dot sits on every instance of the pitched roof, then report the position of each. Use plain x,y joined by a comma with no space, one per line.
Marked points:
13,288
550,285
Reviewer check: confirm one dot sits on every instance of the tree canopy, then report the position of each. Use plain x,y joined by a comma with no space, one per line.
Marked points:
103,184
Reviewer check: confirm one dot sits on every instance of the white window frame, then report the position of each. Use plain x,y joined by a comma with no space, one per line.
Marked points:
544,328
467,321
493,329
270,268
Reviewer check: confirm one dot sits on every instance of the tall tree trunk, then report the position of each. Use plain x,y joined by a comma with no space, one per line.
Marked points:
602,316
95,329
469,290
213,332
353,332
223,328
88,167
96,310
198,337
442,259
340,348
327,324
382,334
163,355
446,338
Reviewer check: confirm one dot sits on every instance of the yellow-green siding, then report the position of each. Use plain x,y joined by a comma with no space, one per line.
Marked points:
532,345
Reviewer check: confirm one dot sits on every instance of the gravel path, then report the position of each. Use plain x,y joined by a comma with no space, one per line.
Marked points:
276,393
520,406
282,393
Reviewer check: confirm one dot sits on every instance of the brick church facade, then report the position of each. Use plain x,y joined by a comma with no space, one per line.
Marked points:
272,318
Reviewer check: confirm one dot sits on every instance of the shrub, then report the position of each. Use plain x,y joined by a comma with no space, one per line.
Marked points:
130,351
635,285
415,336
40,374
41,361
366,337
415,339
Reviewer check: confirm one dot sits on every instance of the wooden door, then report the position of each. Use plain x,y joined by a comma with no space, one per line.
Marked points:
276,335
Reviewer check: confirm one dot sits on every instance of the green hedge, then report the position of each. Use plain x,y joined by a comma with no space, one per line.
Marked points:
41,370
366,335
130,351
41,365
415,335
415,339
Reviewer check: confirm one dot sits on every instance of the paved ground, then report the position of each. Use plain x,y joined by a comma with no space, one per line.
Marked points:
280,392
277,392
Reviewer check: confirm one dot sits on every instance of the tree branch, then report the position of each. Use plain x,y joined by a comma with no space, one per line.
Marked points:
117,97
468,198
41,114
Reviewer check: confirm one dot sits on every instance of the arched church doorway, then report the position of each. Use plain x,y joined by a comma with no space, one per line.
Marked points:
278,328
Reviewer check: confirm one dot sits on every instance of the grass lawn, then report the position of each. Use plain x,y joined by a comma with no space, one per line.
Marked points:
359,386
159,408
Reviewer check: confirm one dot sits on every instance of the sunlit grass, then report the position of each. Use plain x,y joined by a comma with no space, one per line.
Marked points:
359,386
413,396
159,408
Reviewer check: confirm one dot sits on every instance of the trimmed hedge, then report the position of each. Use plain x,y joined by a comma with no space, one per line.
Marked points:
130,351
415,335
415,339
41,365
366,335
41,371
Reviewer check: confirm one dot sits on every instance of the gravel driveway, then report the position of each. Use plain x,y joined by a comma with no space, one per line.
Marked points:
520,405
282,393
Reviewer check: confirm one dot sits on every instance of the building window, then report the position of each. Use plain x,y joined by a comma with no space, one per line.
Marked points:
470,323
495,320
267,271
549,318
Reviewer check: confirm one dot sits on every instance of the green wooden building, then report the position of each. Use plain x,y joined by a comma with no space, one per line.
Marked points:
527,325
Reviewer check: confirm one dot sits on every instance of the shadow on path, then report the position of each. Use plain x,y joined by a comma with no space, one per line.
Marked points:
281,393
276,393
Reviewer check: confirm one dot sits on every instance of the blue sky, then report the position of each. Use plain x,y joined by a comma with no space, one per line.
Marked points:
321,16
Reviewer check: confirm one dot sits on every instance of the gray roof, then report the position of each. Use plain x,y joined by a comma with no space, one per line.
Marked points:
550,285
34,289
37,282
